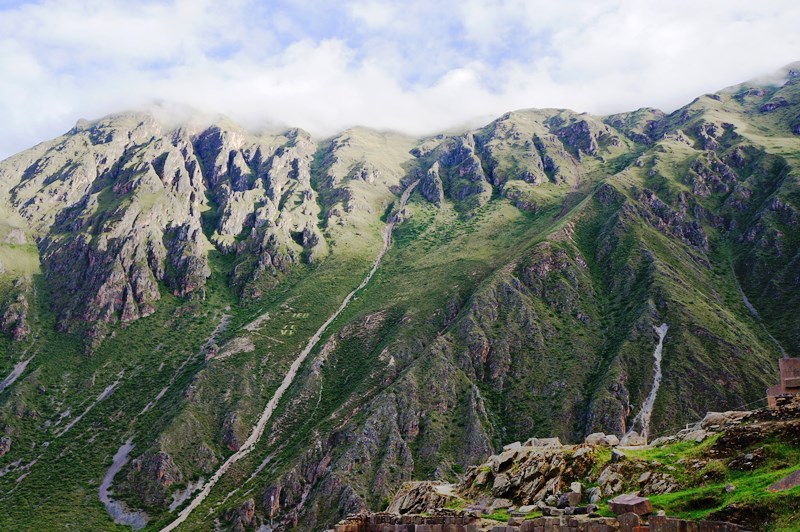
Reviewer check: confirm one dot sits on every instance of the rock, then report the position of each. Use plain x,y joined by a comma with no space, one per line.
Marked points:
151,475
417,497
550,511
5,445
14,318
786,483
15,236
501,504
543,442
581,451
576,487
662,441
541,505
526,509
627,503
617,456
569,499
613,485
696,436
644,477
633,439
729,488
481,478
601,440
501,484
657,483
512,446
610,482
502,461
551,500
593,494
629,521
715,420
233,431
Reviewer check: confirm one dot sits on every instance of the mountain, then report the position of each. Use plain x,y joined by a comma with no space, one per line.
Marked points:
200,320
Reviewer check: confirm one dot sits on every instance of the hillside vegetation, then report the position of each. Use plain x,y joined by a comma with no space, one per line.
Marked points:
157,284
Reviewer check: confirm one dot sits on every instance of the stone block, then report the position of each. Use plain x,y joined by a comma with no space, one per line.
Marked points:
629,522
786,483
623,504
569,499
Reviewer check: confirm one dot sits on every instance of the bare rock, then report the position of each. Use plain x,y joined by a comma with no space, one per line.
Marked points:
633,438
630,504
151,476
5,445
417,497
602,440
543,442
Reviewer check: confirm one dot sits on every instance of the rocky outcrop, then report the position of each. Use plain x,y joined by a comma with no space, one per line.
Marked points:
5,445
461,172
243,518
529,475
151,476
430,185
420,497
13,320
663,217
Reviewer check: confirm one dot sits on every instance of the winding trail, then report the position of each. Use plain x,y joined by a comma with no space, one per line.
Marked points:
258,428
643,417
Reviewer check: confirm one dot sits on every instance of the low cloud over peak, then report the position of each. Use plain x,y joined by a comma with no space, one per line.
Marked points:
413,66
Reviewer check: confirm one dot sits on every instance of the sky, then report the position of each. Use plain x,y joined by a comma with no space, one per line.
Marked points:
413,66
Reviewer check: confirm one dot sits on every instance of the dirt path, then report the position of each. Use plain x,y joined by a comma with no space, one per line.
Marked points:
258,428
643,417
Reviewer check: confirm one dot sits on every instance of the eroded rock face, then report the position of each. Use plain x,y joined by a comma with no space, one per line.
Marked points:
663,217
116,208
419,497
528,475
13,320
243,518
5,445
150,476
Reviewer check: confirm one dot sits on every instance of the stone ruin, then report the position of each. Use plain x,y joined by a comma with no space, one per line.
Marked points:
790,382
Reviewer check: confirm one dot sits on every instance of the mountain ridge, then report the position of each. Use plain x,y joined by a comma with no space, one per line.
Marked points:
185,271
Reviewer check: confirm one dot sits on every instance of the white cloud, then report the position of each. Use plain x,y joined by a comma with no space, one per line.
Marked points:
415,66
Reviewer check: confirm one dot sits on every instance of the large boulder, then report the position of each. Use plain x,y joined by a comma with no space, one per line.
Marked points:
419,497
629,503
602,440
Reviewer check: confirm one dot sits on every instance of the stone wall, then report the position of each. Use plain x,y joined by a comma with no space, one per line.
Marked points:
385,522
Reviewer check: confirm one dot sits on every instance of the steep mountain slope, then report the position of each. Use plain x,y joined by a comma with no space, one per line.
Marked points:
158,284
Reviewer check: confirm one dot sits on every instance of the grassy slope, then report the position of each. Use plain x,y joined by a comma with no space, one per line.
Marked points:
438,257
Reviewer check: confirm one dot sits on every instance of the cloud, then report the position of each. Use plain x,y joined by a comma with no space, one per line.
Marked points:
413,65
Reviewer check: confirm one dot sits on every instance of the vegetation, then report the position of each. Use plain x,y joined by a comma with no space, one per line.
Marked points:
522,305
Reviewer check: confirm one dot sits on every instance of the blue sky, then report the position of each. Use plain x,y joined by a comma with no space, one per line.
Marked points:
415,66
